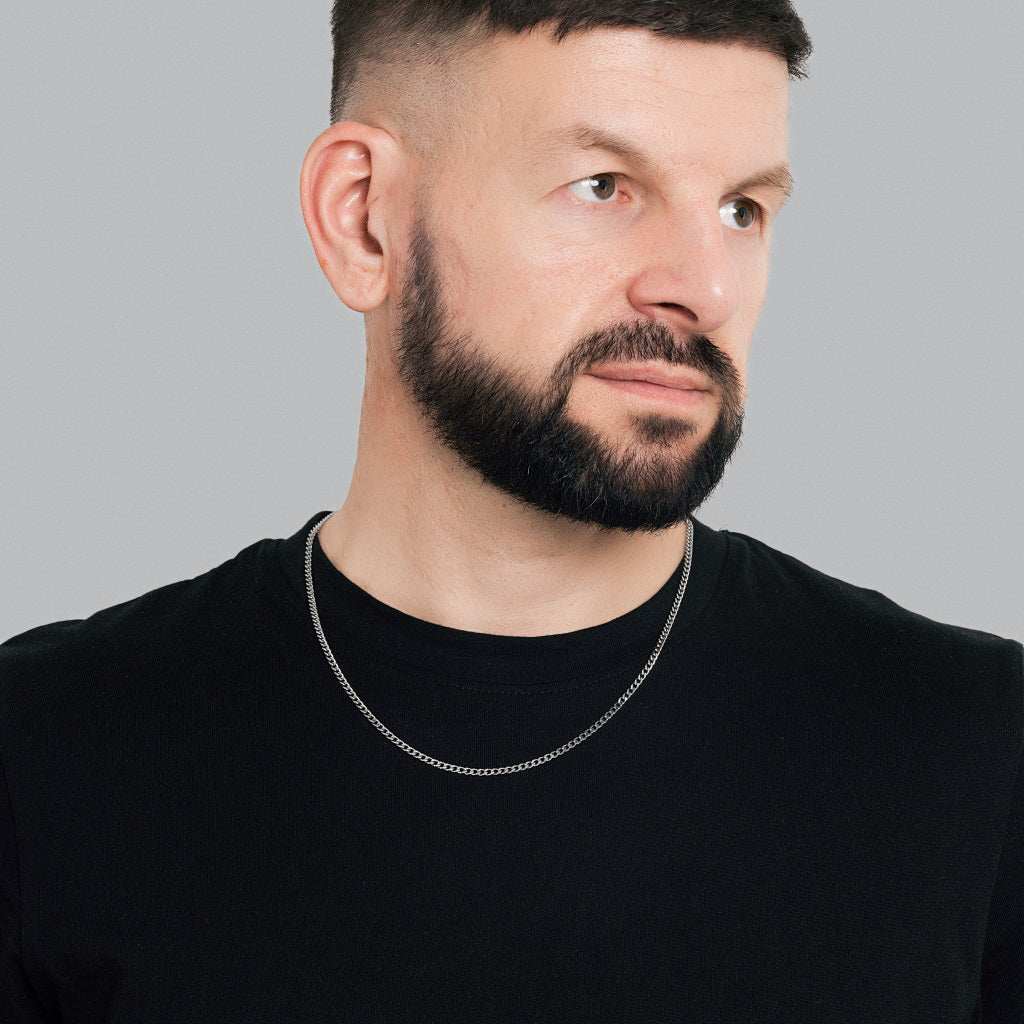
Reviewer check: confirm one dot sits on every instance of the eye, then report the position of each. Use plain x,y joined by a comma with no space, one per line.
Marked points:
740,214
601,188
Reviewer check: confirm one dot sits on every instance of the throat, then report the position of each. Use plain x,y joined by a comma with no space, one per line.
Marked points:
513,583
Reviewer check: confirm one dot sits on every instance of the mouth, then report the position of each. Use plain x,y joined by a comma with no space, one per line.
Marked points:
676,385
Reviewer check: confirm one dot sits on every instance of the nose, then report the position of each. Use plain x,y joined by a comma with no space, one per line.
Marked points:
687,278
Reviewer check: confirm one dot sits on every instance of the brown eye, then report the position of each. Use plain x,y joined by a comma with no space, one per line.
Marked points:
598,189
740,214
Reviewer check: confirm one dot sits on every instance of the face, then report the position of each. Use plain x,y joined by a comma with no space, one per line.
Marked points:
588,267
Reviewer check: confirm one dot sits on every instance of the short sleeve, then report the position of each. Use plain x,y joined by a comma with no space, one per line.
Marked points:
1002,979
18,1003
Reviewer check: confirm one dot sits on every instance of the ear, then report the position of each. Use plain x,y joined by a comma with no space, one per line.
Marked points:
345,176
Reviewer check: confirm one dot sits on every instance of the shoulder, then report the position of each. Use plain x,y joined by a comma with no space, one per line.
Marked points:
787,588
158,611
98,714
106,721
140,645
896,688
794,606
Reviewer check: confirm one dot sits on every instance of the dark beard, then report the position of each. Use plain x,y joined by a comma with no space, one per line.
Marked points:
522,441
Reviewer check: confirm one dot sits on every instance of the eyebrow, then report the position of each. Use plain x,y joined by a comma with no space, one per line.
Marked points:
587,136
778,177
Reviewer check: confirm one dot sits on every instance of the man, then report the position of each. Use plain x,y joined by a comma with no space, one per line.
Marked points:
510,736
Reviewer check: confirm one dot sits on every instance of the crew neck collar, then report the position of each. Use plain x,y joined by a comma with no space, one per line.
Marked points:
359,626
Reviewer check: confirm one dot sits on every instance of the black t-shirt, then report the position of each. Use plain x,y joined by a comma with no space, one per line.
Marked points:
810,811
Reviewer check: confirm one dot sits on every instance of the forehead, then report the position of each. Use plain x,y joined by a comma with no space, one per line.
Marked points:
705,104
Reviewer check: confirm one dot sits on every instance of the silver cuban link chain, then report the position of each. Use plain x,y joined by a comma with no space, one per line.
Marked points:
507,769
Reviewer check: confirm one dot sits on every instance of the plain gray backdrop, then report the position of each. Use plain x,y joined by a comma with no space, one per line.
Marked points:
179,380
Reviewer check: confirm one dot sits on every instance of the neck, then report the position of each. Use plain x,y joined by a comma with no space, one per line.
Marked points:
422,533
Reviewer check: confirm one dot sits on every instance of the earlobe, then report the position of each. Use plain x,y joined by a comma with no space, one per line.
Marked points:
340,182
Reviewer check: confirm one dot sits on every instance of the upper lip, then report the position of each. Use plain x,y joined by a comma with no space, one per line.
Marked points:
682,378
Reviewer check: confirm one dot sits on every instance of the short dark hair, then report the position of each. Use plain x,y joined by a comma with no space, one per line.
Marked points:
368,31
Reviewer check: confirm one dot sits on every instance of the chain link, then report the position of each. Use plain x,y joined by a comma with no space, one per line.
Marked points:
507,769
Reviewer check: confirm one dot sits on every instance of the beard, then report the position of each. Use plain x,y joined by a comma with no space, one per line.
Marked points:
519,437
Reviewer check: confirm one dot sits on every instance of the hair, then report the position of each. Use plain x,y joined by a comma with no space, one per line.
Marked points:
414,35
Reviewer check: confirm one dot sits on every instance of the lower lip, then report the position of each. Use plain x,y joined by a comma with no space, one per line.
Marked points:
680,397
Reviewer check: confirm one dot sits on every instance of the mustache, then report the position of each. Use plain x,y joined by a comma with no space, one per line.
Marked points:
646,342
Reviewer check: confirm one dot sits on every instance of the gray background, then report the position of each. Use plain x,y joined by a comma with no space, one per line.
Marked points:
179,380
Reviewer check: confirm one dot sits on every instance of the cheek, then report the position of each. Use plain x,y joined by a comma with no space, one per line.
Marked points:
518,295
739,341
753,273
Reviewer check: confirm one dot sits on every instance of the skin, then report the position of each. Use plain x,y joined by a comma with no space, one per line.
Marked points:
530,262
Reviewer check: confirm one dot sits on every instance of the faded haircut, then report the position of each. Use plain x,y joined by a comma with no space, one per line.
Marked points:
419,34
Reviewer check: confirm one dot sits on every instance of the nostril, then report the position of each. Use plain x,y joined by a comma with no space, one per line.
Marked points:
675,307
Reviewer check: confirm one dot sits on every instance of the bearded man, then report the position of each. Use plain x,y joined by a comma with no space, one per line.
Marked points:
511,736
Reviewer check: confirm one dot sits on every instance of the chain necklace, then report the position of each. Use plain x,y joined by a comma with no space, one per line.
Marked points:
507,769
